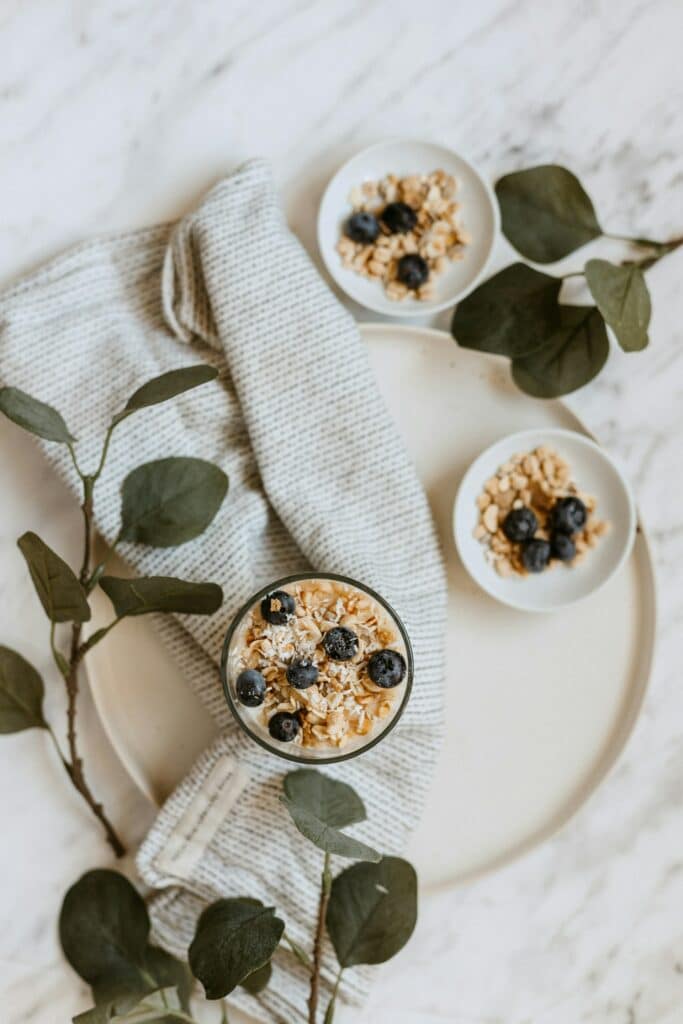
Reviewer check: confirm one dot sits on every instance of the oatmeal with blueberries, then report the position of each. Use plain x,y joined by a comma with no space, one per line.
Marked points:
319,663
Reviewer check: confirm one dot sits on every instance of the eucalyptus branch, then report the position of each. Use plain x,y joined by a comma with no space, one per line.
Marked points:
77,771
369,912
325,887
555,347
164,503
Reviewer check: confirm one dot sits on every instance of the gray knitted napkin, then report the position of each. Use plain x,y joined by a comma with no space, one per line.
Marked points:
318,479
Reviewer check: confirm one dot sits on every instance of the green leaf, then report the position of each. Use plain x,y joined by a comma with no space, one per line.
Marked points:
171,501
258,980
21,694
546,214
622,297
372,911
152,1008
37,417
103,929
161,594
572,356
320,806
511,314
234,938
168,385
57,586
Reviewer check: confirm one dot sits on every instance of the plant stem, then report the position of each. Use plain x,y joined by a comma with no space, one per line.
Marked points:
648,243
329,1012
60,755
298,952
95,638
69,671
103,456
326,885
77,773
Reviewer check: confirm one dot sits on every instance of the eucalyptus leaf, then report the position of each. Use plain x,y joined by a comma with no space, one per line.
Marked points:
21,694
57,586
546,214
234,938
157,970
171,501
161,594
320,806
622,297
103,929
511,314
258,980
573,355
166,386
152,1008
35,416
372,911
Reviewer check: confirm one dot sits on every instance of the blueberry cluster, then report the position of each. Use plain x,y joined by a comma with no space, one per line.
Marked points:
567,517
398,219
385,668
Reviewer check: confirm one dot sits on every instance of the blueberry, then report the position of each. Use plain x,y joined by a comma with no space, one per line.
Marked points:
277,607
362,227
535,555
386,668
520,524
301,674
251,688
412,270
284,727
562,547
568,515
399,218
340,643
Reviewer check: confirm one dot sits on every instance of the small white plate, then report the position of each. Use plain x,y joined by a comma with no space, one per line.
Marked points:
596,474
479,211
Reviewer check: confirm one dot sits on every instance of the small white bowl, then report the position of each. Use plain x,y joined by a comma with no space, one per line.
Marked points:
479,212
596,474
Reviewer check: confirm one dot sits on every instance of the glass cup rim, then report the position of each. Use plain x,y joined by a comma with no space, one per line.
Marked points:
295,578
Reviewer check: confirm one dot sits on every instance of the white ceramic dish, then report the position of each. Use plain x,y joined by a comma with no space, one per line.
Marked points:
534,717
597,474
403,156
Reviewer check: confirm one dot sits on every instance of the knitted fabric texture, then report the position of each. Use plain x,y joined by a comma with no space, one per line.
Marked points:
318,480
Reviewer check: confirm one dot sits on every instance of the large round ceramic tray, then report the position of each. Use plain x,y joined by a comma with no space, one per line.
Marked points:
537,707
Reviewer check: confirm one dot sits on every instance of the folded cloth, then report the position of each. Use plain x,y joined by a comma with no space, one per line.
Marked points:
318,479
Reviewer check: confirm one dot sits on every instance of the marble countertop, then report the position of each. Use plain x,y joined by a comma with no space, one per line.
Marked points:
114,115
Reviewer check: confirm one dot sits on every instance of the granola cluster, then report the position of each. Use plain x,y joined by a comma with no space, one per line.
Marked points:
343,704
539,482
433,236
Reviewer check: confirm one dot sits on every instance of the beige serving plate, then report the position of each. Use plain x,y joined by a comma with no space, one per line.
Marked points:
537,707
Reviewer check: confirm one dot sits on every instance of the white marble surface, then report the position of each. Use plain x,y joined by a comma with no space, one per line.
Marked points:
116,114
